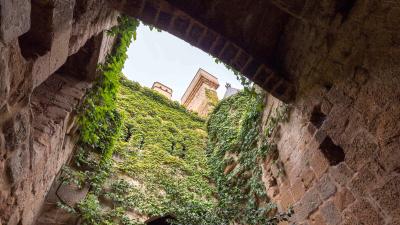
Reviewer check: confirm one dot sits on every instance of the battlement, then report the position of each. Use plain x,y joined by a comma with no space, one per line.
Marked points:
162,89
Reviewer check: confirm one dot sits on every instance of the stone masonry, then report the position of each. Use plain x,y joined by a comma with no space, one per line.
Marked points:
162,89
340,148
335,61
37,99
200,92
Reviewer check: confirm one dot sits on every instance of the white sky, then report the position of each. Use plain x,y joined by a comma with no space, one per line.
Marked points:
160,56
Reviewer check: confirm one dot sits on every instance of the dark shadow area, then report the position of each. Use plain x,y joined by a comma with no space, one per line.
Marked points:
344,7
37,41
333,153
317,117
160,221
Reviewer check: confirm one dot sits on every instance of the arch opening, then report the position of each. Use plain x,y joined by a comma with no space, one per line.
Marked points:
216,39
164,220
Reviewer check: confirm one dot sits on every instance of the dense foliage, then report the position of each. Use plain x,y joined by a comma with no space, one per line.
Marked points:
237,147
143,155
99,125
162,153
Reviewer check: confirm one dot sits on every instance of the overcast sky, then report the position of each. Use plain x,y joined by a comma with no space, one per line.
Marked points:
160,56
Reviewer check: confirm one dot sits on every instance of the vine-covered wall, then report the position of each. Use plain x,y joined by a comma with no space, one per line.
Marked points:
161,158
239,142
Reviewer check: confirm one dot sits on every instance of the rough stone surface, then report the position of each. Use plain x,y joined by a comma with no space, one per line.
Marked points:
330,213
37,105
339,56
14,19
344,62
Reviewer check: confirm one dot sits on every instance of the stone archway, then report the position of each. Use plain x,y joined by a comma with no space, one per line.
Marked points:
350,48
244,48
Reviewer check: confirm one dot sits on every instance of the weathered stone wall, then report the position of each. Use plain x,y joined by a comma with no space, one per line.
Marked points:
340,148
36,107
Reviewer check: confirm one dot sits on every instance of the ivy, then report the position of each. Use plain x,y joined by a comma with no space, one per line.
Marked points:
99,128
147,155
162,151
246,83
212,97
237,148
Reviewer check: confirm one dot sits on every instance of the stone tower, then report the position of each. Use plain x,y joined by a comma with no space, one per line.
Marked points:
201,95
162,89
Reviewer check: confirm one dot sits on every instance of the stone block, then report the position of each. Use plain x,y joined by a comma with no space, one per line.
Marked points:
326,107
273,81
133,6
325,187
316,219
307,176
318,163
180,25
71,194
282,89
343,198
240,61
336,122
16,131
262,76
229,53
308,204
370,103
394,222
389,156
338,97
388,135
164,20
285,199
4,79
361,75
149,12
48,63
251,68
62,20
348,218
361,149
14,19
365,213
311,128
218,45
207,41
297,189
195,33
341,173
388,196
362,182
330,213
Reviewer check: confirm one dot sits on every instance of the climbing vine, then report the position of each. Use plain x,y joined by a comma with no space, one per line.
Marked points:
246,83
212,97
237,147
161,154
99,128
145,155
